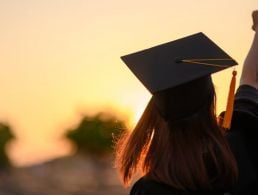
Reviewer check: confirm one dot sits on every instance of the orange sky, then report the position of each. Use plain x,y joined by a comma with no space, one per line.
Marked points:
59,58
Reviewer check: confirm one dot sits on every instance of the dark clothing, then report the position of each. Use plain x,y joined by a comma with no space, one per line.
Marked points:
243,140
145,186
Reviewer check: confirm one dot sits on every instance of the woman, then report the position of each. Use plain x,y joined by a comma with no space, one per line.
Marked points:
178,145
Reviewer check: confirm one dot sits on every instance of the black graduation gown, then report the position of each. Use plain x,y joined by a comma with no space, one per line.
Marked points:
243,140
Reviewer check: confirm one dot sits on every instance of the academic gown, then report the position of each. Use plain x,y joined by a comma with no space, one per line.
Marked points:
243,140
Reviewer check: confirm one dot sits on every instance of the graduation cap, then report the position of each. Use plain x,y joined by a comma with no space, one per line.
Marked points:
184,63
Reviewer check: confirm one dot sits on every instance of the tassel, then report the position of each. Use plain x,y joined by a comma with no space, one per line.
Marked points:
230,104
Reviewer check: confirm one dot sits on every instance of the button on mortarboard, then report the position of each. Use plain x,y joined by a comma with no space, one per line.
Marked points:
177,62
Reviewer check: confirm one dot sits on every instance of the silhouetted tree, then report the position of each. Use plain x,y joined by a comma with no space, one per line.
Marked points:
6,136
95,134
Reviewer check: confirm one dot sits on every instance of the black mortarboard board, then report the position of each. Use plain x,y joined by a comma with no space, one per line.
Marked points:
175,63
178,73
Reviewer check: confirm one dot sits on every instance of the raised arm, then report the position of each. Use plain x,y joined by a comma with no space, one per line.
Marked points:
250,69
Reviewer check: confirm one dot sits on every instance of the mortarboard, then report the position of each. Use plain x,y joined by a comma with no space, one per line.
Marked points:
174,63
178,63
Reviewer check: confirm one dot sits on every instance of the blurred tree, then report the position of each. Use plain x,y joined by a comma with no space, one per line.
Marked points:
6,136
95,134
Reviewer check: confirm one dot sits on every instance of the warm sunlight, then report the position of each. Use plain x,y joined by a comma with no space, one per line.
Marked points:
62,58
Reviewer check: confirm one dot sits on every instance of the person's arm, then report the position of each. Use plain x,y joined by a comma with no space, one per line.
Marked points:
250,69
245,116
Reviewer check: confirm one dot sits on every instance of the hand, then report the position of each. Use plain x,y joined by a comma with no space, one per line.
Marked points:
255,19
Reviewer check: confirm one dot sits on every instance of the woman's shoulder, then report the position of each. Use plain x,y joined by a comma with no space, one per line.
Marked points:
145,186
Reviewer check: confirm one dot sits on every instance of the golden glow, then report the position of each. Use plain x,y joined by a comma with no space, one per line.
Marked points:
61,58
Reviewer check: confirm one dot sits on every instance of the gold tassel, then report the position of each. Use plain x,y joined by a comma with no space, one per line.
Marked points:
230,104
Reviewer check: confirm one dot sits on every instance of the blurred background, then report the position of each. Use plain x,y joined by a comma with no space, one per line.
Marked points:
65,95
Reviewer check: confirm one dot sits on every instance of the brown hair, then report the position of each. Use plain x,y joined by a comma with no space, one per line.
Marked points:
191,153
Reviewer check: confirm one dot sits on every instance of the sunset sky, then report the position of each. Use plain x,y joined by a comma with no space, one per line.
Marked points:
60,58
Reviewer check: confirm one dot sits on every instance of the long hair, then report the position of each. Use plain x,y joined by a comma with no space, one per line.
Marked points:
188,154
